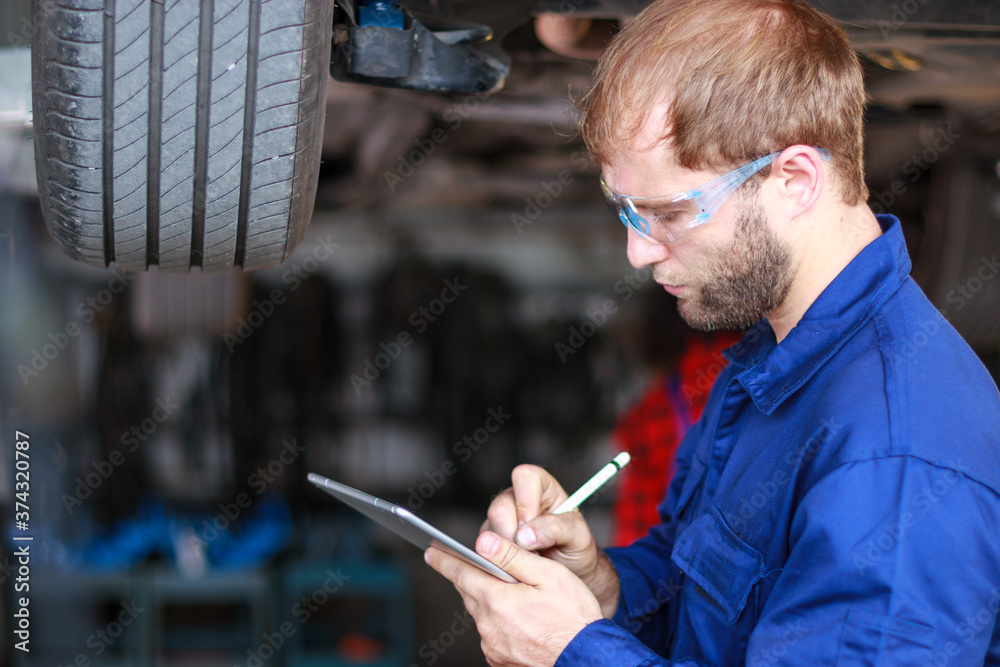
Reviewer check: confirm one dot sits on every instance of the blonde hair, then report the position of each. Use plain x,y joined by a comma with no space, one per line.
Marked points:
740,78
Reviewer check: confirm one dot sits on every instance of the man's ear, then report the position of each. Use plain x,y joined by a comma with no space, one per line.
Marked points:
799,174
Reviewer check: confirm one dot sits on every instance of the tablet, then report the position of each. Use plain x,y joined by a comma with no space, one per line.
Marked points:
405,524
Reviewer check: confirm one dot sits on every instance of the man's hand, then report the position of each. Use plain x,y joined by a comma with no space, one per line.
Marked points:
522,514
526,624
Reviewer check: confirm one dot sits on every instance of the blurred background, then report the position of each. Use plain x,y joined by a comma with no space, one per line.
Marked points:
461,304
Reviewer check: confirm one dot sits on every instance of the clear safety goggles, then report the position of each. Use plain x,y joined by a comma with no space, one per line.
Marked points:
667,218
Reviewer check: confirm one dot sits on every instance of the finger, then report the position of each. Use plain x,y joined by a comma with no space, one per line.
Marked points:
468,579
535,491
502,515
525,566
549,530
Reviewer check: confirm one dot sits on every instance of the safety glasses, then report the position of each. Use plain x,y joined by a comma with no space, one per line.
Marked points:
669,218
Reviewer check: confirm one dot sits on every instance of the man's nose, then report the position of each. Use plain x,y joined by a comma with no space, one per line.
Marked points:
642,253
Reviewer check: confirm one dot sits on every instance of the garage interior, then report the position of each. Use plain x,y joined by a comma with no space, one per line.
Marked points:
461,304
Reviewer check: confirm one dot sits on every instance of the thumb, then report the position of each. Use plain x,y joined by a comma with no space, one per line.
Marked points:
525,566
553,530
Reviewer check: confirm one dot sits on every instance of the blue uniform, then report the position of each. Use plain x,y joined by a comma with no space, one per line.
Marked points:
837,504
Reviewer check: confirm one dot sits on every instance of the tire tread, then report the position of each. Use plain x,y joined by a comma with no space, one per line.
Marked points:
160,143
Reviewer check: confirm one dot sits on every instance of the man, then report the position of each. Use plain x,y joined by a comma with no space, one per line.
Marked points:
838,501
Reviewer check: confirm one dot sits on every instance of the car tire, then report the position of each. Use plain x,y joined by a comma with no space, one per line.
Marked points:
179,133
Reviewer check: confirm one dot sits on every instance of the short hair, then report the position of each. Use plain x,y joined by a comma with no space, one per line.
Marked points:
741,79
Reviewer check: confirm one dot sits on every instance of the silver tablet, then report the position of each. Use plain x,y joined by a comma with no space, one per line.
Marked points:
405,524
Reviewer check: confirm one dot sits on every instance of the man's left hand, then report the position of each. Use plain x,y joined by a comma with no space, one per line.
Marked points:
526,624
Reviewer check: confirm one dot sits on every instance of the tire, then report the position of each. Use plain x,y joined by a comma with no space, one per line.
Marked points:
179,133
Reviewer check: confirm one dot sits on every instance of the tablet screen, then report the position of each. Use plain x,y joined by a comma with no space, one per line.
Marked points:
406,524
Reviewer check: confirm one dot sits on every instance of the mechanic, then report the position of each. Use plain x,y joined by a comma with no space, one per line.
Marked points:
839,499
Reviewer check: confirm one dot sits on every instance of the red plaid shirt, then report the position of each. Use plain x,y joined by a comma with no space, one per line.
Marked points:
652,429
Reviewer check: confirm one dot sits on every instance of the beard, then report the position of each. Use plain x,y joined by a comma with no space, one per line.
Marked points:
742,282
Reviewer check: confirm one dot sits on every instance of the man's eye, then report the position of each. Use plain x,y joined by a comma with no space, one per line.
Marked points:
666,217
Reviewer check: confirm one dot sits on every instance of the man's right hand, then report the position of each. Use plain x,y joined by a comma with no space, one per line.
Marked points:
523,515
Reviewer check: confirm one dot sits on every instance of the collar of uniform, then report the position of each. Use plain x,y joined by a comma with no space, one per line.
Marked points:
772,372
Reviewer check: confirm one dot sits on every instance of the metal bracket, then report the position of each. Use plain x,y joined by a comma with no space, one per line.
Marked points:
382,43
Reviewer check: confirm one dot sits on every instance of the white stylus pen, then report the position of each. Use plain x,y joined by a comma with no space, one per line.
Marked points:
593,484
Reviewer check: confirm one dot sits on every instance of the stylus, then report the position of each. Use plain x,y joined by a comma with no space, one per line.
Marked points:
593,484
